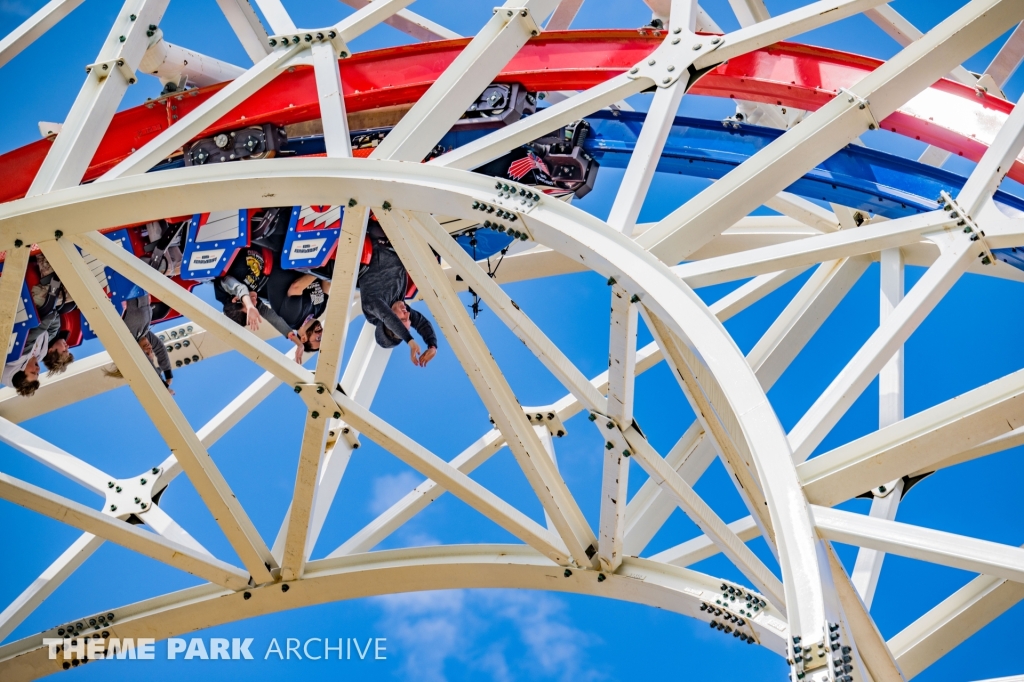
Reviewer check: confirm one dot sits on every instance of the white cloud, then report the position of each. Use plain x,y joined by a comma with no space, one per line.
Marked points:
390,489
500,635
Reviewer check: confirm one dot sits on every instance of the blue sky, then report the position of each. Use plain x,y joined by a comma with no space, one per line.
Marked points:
970,339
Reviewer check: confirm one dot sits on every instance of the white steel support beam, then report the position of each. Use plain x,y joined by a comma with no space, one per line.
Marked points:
924,544
706,519
1009,57
816,249
411,24
160,406
749,12
644,160
615,470
50,455
332,345
360,381
978,419
709,414
157,519
772,354
48,581
904,33
193,123
953,621
871,651
651,505
561,18
702,547
78,515
247,26
869,561
509,312
994,164
461,83
337,140
454,481
297,544
828,129
490,385
36,25
105,84
197,310
740,42
958,252
277,16
890,410
417,500
807,212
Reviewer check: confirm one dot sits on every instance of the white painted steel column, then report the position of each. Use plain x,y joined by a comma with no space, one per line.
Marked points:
160,406
492,387
105,84
48,581
890,410
462,82
247,26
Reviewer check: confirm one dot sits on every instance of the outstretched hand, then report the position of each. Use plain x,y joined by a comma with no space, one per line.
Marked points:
428,356
420,359
294,338
252,319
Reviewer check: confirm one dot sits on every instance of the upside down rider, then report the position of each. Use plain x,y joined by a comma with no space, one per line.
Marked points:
383,287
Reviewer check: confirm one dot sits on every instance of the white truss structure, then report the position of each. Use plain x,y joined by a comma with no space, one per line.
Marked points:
810,604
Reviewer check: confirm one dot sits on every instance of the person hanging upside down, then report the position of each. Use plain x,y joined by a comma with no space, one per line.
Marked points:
383,283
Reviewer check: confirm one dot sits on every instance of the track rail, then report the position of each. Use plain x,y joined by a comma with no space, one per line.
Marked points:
949,115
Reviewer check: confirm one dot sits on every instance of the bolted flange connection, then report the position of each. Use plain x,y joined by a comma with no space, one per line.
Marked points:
522,15
131,495
977,235
309,37
674,58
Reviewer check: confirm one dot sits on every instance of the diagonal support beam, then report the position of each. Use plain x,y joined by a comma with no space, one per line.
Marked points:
452,480
195,309
160,406
953,621
509,312
707,520
155,547
318,419
958,252
491,386
827,130
48,581
458,86
1009,57
411,24
924,544
105,84
47,453
919,443
36,25
247,26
